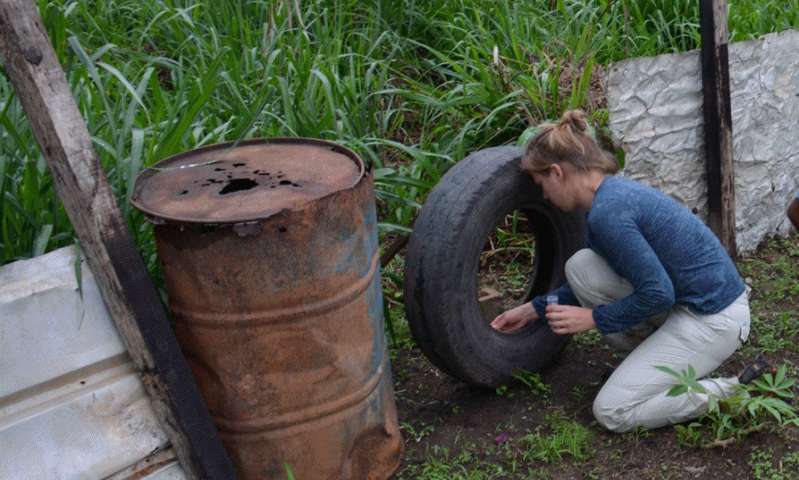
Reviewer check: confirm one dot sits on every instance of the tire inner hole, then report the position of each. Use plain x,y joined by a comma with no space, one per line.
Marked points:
506,265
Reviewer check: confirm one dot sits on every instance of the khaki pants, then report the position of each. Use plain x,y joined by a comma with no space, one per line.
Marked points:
635,395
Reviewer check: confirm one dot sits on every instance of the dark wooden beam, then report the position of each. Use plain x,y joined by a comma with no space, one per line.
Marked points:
129,294
718,121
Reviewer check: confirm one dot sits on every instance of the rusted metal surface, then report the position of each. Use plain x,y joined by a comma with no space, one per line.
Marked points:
251,182
277,304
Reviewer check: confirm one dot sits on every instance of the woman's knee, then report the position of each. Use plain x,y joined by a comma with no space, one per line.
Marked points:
579,266
611,412
593,280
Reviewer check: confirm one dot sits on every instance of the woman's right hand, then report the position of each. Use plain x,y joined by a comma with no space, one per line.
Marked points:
515,318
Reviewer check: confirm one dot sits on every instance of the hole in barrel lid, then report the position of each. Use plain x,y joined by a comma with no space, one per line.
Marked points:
238,185
285,182
297,185
239,164
219,169
184,192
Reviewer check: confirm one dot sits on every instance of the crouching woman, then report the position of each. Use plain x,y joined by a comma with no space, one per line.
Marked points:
654,280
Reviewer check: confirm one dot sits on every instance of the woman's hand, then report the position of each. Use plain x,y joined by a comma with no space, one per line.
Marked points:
566,319
515,318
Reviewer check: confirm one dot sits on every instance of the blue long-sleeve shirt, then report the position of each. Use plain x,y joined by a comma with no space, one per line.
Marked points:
666,253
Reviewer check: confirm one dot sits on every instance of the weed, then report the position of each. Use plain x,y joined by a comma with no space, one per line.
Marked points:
639,433
689,435
762,463
773,331
588,338
566,438
761,405
441,464
533,382
416,433
687,381
505,426
504,391
577,393
775,281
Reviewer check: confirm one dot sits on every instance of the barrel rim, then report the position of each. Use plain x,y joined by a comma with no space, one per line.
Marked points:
159,218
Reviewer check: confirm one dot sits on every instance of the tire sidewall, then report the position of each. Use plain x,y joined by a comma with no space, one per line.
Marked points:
443,261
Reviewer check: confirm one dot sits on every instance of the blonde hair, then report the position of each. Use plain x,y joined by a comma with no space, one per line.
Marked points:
567,142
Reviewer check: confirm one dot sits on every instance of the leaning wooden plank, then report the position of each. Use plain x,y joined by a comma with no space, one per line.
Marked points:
718,121
128,292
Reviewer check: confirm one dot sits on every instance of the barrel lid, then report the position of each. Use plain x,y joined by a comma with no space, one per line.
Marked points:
248,181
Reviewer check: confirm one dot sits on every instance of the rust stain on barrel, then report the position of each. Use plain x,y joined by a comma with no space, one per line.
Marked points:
274,285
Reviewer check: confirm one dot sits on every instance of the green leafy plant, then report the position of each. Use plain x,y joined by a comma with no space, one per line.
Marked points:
762,463
687,381
444,464
639,433
761,405
533,382
504,391
417,432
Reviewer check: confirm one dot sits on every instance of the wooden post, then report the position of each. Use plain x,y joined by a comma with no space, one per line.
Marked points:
718,121
129,294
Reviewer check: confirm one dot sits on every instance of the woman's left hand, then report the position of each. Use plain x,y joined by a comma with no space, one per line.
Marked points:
566,319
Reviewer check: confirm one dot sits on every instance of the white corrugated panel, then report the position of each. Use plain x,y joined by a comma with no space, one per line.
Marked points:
71,404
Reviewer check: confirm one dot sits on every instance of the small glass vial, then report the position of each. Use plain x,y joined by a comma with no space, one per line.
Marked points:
552,299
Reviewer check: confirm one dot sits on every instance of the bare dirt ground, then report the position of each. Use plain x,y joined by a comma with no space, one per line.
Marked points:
546,429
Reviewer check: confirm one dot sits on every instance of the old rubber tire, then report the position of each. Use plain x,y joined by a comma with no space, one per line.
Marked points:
442,261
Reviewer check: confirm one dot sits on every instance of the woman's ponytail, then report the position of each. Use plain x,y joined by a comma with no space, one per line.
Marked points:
567,141
574,119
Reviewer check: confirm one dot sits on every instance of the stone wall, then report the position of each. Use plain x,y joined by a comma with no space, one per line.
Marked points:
655,108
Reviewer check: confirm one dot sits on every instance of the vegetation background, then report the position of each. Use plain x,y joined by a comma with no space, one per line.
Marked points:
411,85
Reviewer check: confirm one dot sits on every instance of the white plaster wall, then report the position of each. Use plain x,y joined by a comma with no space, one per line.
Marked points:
655,108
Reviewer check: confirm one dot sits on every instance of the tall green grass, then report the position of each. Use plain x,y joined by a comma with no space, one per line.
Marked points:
411,85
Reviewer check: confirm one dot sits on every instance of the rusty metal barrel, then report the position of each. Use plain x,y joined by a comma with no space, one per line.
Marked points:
270,261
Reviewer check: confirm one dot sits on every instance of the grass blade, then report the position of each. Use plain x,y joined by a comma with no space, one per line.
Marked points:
200,94
40,244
